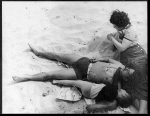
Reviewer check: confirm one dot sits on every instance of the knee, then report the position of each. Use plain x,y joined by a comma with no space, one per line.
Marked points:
45,76
54,75
58,56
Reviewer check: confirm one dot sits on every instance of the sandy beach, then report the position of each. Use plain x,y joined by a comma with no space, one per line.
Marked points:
64,27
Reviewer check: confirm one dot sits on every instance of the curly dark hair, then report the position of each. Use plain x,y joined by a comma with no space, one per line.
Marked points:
108,93
119,18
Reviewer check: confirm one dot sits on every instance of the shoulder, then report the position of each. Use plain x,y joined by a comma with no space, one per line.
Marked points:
130,33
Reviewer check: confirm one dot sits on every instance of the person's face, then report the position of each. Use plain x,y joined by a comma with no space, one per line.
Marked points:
122,93
117,28
126,72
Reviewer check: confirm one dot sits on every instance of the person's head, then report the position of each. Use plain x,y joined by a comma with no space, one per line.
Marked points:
119,19
108,93
126,72
123,99
122,74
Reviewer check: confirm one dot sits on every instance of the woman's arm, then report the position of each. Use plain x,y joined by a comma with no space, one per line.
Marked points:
102,107
121,46
83,85
133,109
112,34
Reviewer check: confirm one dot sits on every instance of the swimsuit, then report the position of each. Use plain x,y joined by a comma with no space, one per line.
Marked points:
95,89
83,68
80,67
89,71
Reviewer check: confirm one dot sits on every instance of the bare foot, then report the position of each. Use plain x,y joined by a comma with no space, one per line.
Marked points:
19,79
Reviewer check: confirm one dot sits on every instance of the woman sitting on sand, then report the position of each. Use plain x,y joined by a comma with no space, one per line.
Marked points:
125,40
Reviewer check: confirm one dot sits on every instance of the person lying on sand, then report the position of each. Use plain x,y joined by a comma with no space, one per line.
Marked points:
99,71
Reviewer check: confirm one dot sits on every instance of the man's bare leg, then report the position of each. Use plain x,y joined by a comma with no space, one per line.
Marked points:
65,58
67,74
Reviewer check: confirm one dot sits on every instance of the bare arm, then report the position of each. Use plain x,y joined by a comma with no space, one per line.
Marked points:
109,60
139,107
133,109
121,46
143,107
83,85
77,83
112,34
102,107
104,59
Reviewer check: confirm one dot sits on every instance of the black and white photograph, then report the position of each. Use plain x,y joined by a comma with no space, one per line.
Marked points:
74,57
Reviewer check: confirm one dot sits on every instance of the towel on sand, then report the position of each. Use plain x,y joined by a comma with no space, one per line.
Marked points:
69,94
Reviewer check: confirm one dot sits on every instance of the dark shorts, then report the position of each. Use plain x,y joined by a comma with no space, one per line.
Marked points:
81,68
131,54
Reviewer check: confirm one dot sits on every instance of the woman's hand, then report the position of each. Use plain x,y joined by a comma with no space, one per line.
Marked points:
110,36
122,93
94,59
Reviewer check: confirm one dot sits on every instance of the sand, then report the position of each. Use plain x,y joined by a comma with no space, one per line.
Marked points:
63,27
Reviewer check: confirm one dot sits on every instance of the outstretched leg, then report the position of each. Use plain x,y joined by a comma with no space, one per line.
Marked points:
65,58
67,74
